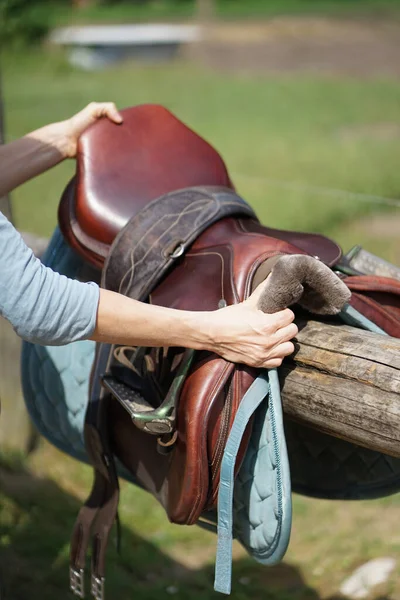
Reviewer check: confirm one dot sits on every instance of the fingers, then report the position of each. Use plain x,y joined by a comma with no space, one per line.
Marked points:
285,334
271,323
97,110
284,349
279,354
274,363
253,299
268,360
110,110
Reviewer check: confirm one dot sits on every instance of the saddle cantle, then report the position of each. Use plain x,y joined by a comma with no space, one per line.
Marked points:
120,169
194,398
159,211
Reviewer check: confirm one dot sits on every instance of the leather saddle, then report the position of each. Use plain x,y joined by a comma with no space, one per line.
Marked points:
152,206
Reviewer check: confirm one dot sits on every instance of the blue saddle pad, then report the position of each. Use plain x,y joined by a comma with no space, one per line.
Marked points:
55,383
55,379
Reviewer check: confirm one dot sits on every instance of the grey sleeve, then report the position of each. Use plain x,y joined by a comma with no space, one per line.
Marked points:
43,307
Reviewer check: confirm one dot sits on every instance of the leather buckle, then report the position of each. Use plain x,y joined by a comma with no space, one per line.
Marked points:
97,587
77,582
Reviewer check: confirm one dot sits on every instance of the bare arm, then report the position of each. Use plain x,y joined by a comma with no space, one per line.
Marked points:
45,307
44,148
239,333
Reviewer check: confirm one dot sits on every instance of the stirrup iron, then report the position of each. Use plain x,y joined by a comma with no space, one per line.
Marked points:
77,582
97,587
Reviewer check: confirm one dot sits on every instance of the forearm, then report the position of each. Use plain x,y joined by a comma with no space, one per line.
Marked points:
30,156
44,148
238,333
42,306
129,322
45,307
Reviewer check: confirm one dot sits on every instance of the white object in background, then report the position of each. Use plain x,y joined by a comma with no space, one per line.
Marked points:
121,35
375,572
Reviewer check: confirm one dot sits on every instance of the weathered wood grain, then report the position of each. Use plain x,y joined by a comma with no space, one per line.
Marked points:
345,382
341,380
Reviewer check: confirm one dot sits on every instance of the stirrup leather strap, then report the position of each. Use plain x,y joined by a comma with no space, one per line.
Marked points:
258,391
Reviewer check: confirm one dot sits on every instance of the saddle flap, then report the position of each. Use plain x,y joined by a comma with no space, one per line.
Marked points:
378,298
319,246
120,168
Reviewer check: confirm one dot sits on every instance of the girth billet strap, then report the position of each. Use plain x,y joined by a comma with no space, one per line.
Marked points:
99,513
144,250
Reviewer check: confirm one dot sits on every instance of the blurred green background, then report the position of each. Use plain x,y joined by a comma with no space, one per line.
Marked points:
310,148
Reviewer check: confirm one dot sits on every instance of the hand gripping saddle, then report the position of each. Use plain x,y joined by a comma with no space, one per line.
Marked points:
152,205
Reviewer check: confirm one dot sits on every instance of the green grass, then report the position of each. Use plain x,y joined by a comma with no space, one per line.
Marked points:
38,509
225,9
271,131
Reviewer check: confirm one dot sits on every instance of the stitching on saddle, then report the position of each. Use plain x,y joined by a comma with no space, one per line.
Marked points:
240,228
235,291
185,212
224,375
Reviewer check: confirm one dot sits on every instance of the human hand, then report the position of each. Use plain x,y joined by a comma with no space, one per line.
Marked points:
242,333
71,129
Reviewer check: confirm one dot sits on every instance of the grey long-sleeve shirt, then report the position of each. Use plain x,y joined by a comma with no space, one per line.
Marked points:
43,307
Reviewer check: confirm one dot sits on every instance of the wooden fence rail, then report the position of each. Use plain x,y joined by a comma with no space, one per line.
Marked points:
346,382
341,380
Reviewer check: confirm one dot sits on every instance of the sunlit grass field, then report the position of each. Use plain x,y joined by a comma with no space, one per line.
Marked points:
282,137
289,143
227,9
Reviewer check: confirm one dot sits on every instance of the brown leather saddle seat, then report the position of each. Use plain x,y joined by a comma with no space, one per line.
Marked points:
134,183
120,169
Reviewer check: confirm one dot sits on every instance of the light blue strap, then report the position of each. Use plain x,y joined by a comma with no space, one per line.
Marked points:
267,384
351,316
250,402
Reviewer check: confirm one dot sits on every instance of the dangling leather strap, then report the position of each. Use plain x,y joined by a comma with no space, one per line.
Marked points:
100,509
134,270
256,393
106,516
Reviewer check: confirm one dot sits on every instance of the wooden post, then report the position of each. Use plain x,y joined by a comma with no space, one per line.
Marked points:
205,16
82,3
5,203
345,382
205,10
16,431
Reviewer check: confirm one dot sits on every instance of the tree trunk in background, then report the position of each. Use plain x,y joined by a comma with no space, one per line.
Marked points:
205,18
16,430
5,204
82,3
205,10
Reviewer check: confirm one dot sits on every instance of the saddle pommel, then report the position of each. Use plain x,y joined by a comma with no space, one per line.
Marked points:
304,280
121,168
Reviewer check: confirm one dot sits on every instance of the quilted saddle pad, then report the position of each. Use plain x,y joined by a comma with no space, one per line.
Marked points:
55,384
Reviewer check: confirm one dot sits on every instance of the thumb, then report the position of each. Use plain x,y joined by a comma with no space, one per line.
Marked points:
254,299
